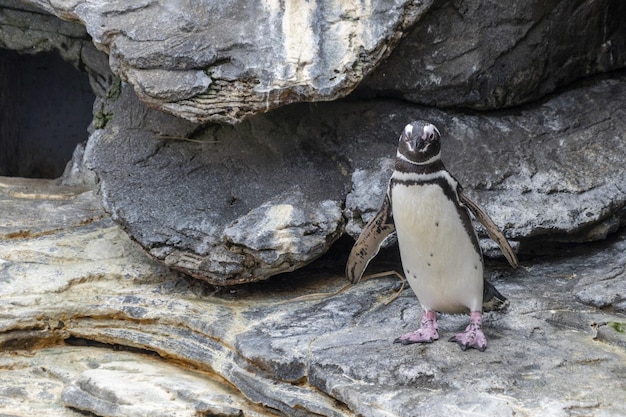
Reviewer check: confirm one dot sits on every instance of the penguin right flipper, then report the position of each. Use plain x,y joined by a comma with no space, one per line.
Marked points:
492,228
369,242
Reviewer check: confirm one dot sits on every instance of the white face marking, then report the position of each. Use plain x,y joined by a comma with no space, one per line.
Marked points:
430,129
408,130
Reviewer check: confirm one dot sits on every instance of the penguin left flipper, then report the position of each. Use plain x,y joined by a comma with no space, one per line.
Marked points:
369,242
492,228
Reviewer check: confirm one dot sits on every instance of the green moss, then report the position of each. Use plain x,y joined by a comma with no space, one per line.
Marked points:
617,326
102,118
115,88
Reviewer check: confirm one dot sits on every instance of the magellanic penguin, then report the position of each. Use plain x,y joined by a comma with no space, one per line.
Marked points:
439,249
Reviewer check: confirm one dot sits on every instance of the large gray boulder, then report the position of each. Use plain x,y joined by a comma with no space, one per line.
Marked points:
501,54
224,61
221,206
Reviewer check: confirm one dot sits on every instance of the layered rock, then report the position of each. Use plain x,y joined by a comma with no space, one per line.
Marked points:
111,332
216,61
205,66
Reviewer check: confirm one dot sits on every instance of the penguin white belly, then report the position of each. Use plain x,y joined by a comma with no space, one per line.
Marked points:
438,256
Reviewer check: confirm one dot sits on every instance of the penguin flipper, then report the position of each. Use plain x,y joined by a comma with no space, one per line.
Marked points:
492,228
369,242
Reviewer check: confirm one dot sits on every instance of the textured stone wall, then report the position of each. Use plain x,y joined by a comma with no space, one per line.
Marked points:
490,55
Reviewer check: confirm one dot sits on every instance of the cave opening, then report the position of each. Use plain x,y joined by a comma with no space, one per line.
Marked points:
45,109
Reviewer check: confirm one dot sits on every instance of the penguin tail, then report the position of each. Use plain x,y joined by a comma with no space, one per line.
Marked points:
493,300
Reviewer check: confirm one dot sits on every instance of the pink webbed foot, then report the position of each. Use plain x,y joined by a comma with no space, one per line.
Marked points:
473,336
427,333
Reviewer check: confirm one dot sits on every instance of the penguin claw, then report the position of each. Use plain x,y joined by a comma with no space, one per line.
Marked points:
473,336
419,336
465,345
427,333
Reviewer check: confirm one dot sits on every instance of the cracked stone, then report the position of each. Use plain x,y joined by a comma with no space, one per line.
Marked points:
125,336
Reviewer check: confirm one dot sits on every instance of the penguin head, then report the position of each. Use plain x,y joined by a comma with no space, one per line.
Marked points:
420,143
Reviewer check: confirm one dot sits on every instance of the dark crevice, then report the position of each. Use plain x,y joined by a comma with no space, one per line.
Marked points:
79,341
46,108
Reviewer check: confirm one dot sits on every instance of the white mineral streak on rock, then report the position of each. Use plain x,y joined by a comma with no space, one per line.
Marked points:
278,221
301,43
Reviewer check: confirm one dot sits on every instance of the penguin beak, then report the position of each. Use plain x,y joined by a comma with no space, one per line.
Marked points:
421,143
424,141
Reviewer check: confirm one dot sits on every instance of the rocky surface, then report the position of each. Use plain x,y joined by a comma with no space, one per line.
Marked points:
69,380
239,204
82,307
495,55
216,61
89,324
